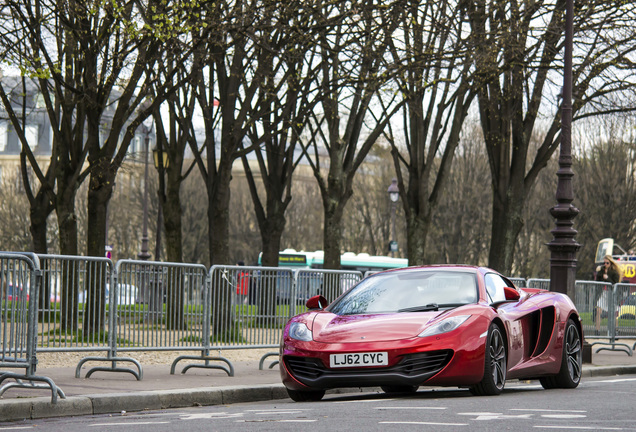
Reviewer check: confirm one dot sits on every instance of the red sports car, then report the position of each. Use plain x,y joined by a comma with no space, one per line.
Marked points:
446,325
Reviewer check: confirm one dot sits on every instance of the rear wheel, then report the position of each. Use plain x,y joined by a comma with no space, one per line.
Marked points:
495,370
569,375
305,396
399,389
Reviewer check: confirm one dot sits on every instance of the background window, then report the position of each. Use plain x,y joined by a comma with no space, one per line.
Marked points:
3,136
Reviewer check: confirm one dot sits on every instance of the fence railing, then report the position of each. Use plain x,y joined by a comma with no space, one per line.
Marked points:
85,304
538,283
20,280
608,313
151,306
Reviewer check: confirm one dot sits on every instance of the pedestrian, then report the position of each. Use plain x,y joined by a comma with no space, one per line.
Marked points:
242,285
610,273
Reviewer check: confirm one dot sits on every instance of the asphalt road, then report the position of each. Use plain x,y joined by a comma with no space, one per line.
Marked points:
598,404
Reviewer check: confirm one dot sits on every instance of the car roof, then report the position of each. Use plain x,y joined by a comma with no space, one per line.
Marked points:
445,267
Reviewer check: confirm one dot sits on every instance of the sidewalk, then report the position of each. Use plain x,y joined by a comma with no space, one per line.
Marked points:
114,392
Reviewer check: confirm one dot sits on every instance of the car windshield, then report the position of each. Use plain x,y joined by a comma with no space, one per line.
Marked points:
408,291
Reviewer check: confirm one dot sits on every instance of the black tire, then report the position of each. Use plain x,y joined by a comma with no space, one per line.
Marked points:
569,375
305,396
399,389
495,367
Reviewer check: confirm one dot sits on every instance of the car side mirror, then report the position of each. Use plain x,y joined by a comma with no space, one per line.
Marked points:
511,294
317,302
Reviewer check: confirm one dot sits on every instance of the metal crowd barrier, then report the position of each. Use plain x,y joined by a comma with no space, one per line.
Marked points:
538,283
20,278
328,283
69,285
519,282
155,306
607,313
249,307
293,293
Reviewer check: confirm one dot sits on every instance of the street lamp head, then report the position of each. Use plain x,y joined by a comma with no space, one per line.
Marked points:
394,191
160,158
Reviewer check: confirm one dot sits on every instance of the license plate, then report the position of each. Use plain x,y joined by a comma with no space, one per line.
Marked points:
359,359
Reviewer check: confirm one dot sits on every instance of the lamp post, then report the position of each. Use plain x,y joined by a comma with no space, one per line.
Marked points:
394,196
564,246
144,254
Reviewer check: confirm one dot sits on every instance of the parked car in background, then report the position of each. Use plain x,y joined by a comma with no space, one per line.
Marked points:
127,295
628,308
17,292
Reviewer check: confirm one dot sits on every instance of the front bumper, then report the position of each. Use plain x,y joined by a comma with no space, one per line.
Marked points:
411,370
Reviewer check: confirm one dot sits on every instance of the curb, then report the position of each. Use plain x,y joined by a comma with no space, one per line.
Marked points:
110,403
597,371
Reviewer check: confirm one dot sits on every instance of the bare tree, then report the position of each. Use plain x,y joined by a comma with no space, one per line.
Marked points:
435,83
93,69
287,53
606,192
353,71
226,78
459,234
516,48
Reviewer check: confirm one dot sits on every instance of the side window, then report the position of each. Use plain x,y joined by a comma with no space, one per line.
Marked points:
495,287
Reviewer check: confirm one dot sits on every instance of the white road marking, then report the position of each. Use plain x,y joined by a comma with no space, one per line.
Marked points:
617,380
578,427
496,416
410,408
547,410
563,416
363,401
130,423
16,427
297,421
204,416
423,423
277,421
277,410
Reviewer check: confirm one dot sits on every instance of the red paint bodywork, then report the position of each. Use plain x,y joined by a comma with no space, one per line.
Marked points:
533,327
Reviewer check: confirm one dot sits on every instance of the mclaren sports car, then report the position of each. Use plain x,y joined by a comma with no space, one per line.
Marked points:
461,326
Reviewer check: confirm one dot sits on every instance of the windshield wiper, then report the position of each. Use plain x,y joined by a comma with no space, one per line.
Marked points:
428,307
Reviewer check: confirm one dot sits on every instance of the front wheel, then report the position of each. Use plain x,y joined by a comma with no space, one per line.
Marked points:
305,396
495,370
569,375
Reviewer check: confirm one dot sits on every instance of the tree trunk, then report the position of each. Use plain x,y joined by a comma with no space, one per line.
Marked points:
67,221
39,212
271,234
507,222
417,226
220,211
332,234
99,193
172,219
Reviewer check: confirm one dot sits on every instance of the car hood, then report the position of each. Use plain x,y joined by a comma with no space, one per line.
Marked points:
331,328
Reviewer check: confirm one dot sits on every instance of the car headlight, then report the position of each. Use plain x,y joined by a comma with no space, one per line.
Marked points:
445,325
300,331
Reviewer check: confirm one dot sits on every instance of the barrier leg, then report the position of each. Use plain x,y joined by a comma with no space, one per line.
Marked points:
274,363
34,382
138,374
229,370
